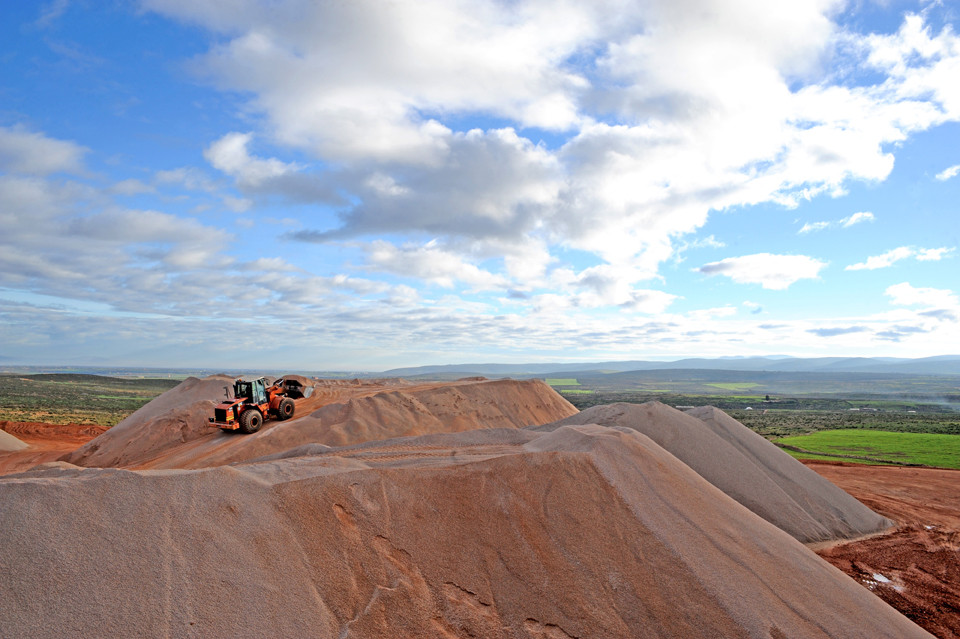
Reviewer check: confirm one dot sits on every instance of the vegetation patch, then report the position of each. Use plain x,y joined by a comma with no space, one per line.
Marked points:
733,386
846,460
562,382
575,391
75,398
928,449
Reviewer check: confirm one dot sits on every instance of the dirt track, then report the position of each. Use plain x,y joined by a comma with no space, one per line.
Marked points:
921,559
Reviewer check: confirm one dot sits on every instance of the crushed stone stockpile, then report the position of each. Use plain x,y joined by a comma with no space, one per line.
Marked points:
9,443
175,434
175,417
746,467
584,531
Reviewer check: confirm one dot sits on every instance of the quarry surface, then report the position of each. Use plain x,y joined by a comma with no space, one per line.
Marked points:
473,508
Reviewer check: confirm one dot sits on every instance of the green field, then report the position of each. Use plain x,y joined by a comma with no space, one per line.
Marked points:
927,449
576,391
562,382
733,386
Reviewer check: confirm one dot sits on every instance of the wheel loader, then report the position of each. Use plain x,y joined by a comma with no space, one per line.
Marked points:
253,402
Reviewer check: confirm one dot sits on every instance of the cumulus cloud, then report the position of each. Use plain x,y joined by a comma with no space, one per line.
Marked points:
893,256
775,272
362,79
668,112
30,153
557,154
266,176
904,294
229,154
432,264
949,172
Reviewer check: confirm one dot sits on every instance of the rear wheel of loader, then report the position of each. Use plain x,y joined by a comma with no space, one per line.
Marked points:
251,421
286,408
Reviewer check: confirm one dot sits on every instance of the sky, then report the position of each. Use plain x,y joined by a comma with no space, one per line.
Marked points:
364,185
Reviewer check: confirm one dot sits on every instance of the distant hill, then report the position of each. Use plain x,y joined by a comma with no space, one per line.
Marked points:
940,365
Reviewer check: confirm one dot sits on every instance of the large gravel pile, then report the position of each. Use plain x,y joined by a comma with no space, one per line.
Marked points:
172,431
746,467
585,531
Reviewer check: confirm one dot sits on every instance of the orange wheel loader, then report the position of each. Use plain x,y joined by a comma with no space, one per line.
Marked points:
253,402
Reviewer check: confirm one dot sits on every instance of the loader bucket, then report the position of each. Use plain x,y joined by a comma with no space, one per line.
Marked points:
296,390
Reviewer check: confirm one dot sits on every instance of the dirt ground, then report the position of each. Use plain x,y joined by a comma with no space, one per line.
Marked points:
47,442
916,568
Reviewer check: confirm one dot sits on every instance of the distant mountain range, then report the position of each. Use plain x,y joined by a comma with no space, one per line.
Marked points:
940,365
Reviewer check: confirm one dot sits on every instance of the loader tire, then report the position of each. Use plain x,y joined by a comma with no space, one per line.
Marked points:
286,408
251,421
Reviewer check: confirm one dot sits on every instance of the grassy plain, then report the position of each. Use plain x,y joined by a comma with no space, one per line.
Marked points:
928,449
70,398
561,381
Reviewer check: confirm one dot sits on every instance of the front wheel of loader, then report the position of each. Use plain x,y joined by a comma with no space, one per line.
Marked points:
286,408
251,421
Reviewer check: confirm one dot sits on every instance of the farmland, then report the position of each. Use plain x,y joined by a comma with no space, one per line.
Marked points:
866,446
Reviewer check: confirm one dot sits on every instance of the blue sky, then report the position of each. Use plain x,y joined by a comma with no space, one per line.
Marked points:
366,185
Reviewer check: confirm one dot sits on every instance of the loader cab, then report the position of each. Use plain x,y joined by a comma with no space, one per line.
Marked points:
254,391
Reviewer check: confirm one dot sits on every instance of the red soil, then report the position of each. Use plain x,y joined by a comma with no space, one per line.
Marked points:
47,442
921,559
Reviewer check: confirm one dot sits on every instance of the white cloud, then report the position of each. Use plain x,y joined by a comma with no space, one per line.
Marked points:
712,313
846,222
432,264
948,173
653,117
893,256
495,189
775,272
361,79
933,255
857,218
904,294
229,154
651,302
884,259
814,226
25,152
669,111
